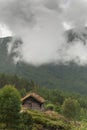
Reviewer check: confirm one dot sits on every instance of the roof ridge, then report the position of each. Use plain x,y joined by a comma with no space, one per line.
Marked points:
34,95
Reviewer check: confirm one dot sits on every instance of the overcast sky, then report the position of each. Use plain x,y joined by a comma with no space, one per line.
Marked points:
41,25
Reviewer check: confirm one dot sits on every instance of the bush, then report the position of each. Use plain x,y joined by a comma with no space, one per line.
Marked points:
26,121
50,107
71,108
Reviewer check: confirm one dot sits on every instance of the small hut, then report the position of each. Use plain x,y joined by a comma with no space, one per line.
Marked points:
33,101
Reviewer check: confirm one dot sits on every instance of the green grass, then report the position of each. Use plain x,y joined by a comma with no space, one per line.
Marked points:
82,126
53,120
50,120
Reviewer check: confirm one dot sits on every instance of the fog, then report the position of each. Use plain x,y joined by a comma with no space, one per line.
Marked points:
41,25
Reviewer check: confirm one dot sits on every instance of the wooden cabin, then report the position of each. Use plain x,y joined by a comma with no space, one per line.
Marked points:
33,101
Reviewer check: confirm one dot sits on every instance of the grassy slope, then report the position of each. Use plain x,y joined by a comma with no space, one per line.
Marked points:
49,120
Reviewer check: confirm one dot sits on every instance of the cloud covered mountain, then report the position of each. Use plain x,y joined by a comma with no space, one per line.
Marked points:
69,77
73,35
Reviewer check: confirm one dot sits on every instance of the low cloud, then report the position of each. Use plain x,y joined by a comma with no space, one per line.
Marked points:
40,25
76,13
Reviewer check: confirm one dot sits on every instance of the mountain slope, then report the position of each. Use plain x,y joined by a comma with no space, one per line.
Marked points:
66,77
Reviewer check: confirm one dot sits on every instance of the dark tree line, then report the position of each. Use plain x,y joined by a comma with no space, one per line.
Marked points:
18,82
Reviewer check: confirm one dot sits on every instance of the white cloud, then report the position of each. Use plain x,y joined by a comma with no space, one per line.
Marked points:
41,25
76,13
67,26
4,31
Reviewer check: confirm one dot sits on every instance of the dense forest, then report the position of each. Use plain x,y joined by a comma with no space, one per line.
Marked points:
58,104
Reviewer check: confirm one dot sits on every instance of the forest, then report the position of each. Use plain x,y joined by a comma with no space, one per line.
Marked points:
63,110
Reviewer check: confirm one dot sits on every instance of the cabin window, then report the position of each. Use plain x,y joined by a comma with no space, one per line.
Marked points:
29,103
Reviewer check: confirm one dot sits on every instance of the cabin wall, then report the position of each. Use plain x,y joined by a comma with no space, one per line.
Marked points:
33,104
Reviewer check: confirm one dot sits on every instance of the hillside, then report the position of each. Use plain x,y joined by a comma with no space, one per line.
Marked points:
49,121
66,77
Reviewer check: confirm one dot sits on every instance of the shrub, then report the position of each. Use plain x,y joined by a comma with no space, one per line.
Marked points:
50,107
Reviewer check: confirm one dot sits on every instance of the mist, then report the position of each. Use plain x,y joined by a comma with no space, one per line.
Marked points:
41,25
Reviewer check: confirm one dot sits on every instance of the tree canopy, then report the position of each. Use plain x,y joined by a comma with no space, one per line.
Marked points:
71,108
9,106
